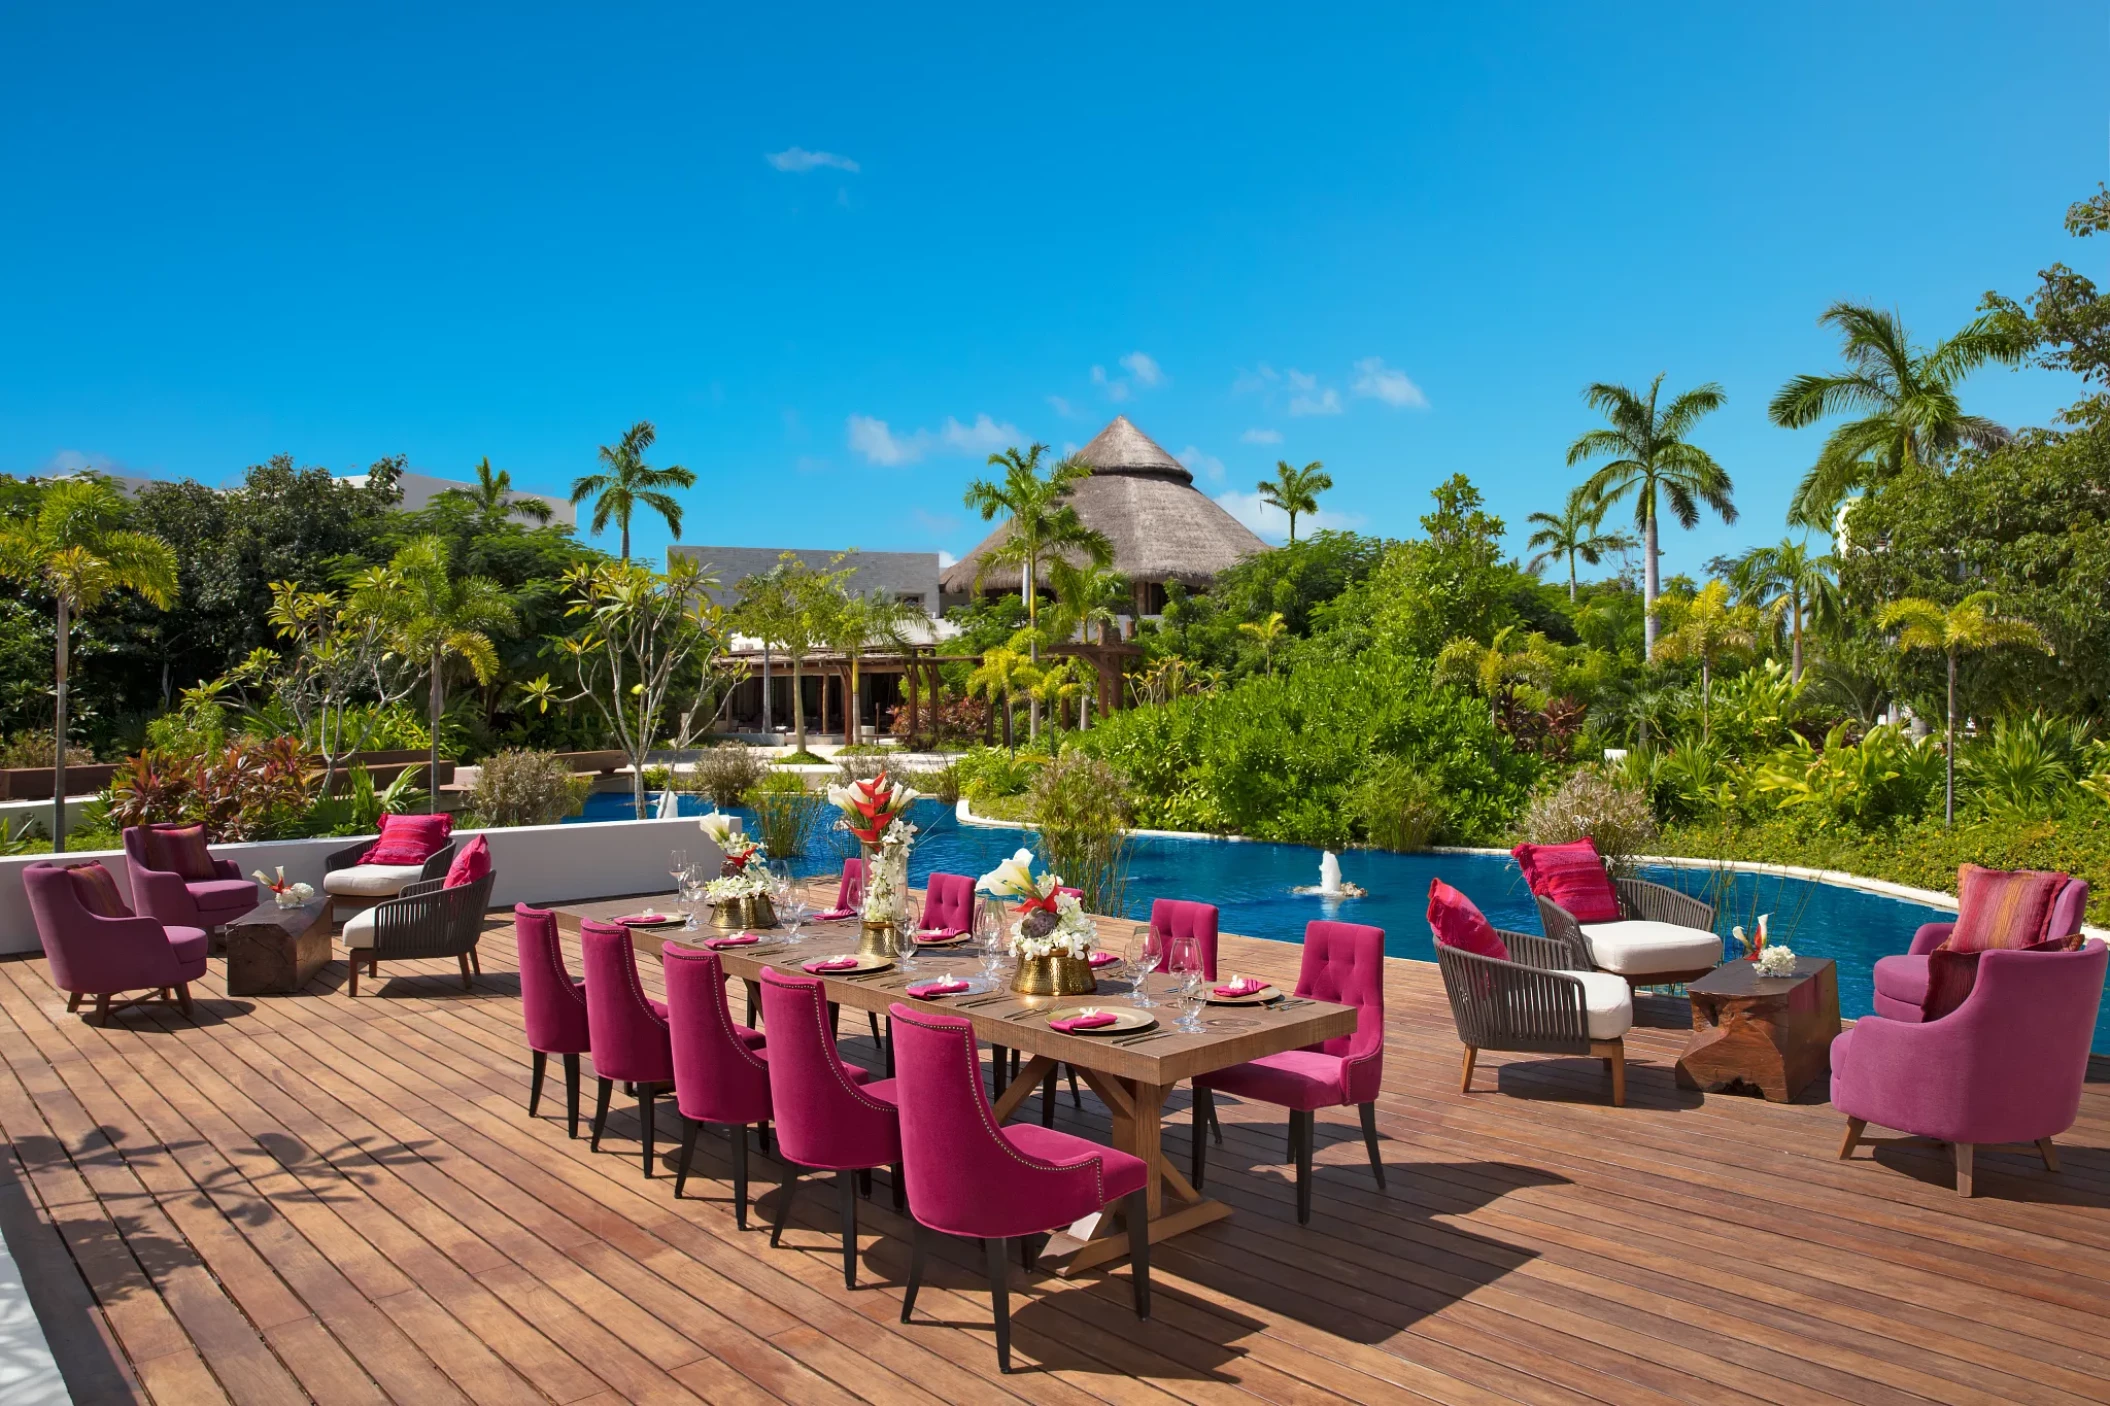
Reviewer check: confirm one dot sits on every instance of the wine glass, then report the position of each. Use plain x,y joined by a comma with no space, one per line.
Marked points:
677,865
1139,960
1183,959
793,914
989,937
691,898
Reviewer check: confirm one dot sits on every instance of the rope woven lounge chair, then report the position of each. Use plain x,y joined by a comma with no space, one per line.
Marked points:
1662,935
1539,1002
428,919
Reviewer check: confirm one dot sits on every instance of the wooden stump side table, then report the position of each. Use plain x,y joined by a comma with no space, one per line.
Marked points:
1768,1034
274,951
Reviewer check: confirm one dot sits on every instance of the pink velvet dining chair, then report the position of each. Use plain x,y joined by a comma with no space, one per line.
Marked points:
628,1029
830,1116
948,904
1343,963
721,1074
1181,917
2007,1066
553,1007
98,947
969,1177
849,892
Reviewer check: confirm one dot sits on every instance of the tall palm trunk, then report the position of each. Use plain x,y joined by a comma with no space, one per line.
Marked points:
1571,576
58,734
1650,582
439,705
1795,617
1029,583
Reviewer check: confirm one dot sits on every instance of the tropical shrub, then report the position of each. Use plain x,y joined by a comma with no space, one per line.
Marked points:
34,748
1396,806
1599,803
527,788
727,772
985,773
2025,767
1081,810
787,815
1886,777
358,808
246,790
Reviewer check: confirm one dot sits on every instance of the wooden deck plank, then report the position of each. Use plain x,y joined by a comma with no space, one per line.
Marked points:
319,1198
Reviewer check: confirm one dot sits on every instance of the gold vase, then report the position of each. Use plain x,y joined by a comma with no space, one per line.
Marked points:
1054,976
879,940
730,914
761,911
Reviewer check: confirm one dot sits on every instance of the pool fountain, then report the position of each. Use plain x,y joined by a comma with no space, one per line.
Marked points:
1331,885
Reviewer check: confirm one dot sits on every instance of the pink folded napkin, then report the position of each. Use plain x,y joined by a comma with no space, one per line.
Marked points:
1083,1022
741,941
643,920
937,934
1104,959
832,964
945,986
1245,986
834,915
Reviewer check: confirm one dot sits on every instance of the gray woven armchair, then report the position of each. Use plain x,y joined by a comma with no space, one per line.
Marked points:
1536,1003
1641,901
426,920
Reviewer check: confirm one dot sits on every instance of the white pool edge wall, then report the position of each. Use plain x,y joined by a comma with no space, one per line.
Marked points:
534,864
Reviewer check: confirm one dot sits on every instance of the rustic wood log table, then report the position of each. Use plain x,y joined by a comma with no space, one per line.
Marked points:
1769,1034
1134,1080
274,951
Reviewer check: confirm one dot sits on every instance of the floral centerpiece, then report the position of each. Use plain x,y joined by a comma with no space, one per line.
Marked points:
738,849
289,895
870,808
1053,936
884,909
1751,945
1775,961
739,896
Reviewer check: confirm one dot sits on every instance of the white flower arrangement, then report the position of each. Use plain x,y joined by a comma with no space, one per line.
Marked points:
289,895
747,883
1775,961
885,873
1073,935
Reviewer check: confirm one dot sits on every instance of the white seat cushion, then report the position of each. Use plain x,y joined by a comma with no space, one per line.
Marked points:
1608,1003
371,880
359,929
1642,947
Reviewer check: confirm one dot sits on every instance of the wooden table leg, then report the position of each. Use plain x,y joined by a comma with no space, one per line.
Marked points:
1138,1129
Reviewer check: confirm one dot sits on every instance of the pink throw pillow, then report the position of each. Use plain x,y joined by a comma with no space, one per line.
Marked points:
1573,876
2002,908
180,850
409,839
1459,923
471,863
97,889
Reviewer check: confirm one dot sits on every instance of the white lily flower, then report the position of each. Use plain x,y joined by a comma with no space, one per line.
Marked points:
1012,879
718,826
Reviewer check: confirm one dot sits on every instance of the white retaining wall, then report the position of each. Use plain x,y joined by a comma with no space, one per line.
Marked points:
534,864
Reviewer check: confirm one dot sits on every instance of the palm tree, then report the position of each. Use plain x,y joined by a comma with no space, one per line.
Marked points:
76,551
1496,669
1909,396
627,482
1788,586
493,499
1267,634
859,624
433,617
1087,596
1296,491
1043,523
1970,626
1003,674
1709,628
1653,460
1574,533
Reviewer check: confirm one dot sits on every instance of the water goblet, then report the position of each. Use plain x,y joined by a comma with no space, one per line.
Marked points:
793,915
691,899
677,865
1183,959
1139,959
989,938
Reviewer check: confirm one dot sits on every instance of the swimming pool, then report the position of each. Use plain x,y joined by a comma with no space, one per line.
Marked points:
1251,882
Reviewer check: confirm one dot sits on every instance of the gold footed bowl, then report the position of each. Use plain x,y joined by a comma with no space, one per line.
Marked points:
755,912
878,940
1054,976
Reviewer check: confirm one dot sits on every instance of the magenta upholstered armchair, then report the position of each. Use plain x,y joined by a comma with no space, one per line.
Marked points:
721,1075
830,1116
94,955
2004,1067
948,904
1901,981
553,1006
967,1176
191,903
1343,963
629,1029
1181,917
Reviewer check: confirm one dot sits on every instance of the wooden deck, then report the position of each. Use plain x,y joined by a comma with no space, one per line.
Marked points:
315,1198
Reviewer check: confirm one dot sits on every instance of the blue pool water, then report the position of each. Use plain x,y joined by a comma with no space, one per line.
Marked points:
1251,882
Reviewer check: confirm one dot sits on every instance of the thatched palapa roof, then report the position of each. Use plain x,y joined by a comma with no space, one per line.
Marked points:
1145,501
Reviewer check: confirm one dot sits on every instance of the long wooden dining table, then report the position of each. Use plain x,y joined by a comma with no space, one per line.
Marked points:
1133,1077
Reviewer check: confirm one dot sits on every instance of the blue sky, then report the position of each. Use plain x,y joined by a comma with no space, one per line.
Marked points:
837,254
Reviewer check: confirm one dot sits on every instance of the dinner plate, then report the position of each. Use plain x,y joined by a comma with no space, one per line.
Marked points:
648,920
954,941
1258,998
864,965
1127,1020
976,986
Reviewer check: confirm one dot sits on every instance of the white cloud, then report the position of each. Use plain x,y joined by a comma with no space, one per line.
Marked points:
73,461
984,436
1209,465
878,443
1061,407
1144,368
797,158
1301,380
1327,402
1258,435
1255,380
1271,522
1374,378
946,560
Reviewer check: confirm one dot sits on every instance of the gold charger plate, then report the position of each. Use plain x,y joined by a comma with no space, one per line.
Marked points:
1258,998
955,940
864,965
1127,1020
